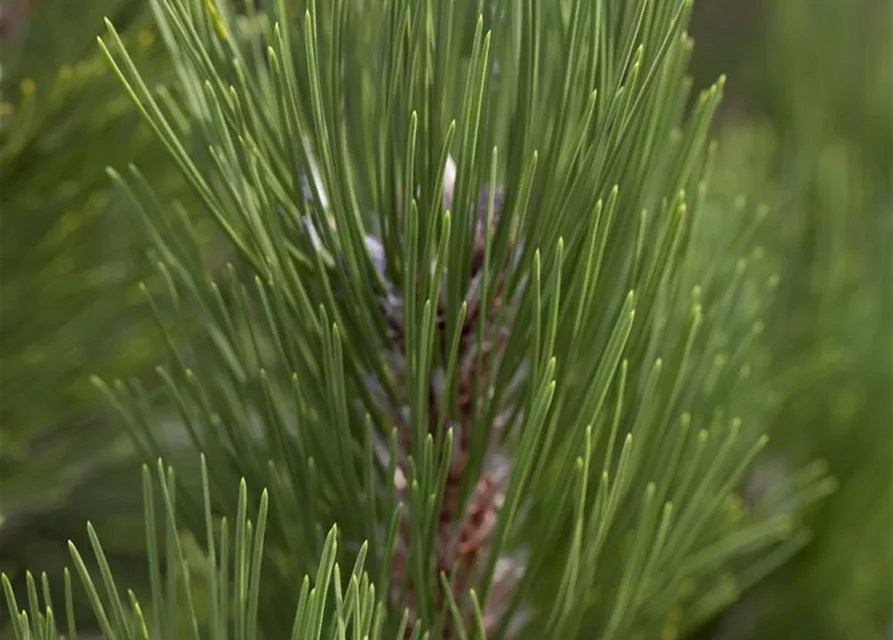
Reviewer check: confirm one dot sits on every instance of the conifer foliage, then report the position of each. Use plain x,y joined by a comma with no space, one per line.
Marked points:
485,336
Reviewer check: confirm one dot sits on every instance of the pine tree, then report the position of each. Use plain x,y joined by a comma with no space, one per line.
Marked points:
485,332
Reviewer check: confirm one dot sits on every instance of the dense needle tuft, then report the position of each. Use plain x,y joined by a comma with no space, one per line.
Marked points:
464,525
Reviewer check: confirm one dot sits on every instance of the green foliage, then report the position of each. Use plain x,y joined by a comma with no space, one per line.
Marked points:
57,227
63,248
70,264
640,340
493,308
823,157
231,578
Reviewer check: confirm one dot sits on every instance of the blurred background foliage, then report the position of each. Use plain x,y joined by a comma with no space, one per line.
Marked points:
69,268
813,132
807,127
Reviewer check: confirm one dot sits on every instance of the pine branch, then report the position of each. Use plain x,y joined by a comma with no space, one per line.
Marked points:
231,578
482,314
